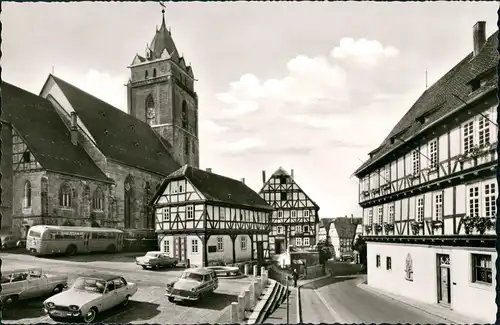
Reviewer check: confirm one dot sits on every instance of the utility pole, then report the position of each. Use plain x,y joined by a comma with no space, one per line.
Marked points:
287,303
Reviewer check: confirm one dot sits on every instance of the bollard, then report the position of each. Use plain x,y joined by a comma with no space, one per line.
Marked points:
247,269
255,271
262,270
241,308
255,286
234,312
247,300
265,278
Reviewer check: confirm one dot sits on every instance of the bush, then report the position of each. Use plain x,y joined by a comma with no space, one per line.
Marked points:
360,246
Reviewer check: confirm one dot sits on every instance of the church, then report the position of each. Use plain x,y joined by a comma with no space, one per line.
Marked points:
68,158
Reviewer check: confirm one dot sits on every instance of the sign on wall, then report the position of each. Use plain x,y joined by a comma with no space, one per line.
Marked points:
409,268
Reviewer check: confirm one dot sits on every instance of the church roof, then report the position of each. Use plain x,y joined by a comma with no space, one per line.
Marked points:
119,135
163,40
439,99
46,135
217,188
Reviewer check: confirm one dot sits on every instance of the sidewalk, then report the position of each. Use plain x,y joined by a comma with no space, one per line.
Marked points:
279,315
434,309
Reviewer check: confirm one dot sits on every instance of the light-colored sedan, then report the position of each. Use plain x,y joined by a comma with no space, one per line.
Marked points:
19,284
156,260
193,284
89,296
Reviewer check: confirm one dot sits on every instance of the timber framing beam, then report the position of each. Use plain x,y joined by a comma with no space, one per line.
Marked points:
212,232
439,240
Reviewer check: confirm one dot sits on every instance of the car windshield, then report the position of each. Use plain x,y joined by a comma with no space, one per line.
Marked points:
192,276
152,254
90,285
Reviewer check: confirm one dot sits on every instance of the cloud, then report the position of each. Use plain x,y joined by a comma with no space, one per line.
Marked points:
238,146
339,143
212,127
365,51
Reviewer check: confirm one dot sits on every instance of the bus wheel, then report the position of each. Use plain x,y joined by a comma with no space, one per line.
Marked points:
71,250
111,249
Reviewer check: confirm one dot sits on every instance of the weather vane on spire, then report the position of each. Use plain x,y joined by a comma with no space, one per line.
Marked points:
163,7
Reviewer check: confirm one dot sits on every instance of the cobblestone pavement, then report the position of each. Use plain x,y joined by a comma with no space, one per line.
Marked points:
148,305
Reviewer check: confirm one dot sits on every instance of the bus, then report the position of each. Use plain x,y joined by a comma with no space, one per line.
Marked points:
49,240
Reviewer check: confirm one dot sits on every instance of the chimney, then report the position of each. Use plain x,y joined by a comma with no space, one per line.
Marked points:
209,170
74,130
292,173
243,180
263,177
479,36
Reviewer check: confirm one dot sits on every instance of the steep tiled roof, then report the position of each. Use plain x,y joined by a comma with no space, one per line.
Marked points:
48,139
439,99
119,135
163,41
217,188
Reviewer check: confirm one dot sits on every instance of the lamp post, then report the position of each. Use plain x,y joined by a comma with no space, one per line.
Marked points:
287,303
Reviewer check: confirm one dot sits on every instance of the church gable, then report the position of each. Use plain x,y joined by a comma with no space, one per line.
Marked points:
23,159
138,59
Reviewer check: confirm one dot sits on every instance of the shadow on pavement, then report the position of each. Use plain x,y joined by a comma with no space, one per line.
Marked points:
327,281
135,311
216,301
31,308
98,257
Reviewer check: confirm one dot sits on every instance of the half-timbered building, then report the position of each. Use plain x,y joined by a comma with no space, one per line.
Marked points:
295,221
205,218
429,191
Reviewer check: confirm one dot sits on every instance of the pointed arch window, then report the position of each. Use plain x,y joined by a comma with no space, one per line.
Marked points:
150,109
27,195
65,196
154,73
184,115
146,74
98,199
44,196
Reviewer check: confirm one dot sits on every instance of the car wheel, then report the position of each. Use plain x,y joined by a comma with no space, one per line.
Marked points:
171,299
58,289
90,316
126,301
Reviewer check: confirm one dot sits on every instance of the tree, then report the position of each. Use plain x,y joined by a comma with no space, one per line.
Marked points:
325,253
360,246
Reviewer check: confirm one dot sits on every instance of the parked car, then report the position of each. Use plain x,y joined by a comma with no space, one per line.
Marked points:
21,243
193,284
156,260
9,241
89,296
27,283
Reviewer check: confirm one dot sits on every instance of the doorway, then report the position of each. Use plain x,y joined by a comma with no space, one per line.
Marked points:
260,252
443,279
278,246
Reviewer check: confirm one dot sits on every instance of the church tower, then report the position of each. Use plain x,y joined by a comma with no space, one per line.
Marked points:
161,93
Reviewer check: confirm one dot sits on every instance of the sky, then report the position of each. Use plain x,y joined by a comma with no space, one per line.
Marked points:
309,86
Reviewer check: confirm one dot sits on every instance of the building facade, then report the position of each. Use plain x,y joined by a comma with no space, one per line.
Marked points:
205,218
295,221
341,233
76,160
429,191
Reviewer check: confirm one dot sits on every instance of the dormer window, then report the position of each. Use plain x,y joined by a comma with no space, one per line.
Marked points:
392,140
475,84
26,157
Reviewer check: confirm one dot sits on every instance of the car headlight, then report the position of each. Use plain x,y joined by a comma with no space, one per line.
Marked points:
50,305
194,289
74,308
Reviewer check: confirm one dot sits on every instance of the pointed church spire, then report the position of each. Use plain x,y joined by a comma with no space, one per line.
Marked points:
163,13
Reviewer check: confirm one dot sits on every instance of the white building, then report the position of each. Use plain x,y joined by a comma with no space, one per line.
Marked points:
428,192
204,217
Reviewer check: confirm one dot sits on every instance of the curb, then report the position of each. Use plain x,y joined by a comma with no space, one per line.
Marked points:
368,288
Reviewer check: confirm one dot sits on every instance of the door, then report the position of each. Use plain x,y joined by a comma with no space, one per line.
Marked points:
278,246
444,288
37,284
86,239
260,252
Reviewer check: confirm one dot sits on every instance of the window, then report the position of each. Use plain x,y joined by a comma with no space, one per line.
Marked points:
19,276
489,200
154,73
481,268
26,156
376,180
98,199
166,246
146,74
306,213
282,180
388,263
475,84
119,283
298,241
306,242
438,206
280,214
222,214
378,261
468,136
65,196
473,201
279,229
380,215
184,115
298,229
283,196
433,154
190,213
306,228
27,195
194,245
391,213
387,175
165,214
370,217
367,183
35,274
483,131
180,189
243,242
420,209
294,213
220,244
416,162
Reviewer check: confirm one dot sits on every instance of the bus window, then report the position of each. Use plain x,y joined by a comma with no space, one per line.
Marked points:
94,235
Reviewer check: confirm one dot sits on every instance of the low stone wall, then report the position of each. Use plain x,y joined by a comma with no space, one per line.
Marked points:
314,272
